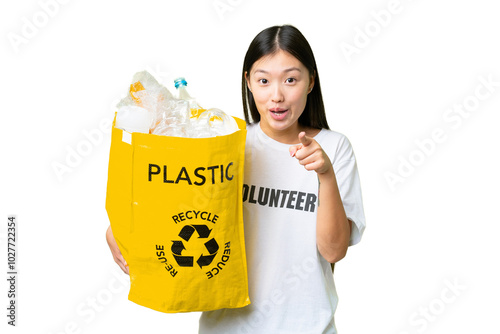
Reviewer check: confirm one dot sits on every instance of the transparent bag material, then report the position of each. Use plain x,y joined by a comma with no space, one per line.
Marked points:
151,108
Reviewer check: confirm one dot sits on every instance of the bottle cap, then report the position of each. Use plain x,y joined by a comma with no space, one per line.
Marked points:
180,82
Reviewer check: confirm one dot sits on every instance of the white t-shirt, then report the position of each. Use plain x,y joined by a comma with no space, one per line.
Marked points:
291,285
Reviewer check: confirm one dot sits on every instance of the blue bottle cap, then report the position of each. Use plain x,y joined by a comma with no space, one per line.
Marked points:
180,82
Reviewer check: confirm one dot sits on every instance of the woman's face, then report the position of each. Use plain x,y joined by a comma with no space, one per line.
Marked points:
280,83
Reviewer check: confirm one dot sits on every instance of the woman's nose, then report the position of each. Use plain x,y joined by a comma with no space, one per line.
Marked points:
277,94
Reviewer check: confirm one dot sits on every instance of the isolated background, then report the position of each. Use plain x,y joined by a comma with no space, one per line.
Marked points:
437,227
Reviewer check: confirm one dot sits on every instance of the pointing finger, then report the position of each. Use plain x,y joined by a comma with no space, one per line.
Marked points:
305,140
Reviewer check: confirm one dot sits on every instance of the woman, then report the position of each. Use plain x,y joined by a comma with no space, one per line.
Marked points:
302,197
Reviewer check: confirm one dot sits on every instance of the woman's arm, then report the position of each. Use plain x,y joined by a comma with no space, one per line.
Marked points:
117,255
333,229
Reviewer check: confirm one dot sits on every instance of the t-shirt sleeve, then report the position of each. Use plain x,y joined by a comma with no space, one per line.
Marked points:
346,172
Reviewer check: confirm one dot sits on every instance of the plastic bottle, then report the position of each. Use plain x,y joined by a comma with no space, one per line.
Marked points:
180,85
204,123
182,94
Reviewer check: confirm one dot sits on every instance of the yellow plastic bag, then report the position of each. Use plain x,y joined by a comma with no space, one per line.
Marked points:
175,207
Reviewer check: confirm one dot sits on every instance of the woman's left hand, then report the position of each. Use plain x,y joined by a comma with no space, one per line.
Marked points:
310,155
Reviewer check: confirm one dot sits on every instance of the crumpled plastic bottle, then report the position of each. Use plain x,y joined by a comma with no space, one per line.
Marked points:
212,122
174,120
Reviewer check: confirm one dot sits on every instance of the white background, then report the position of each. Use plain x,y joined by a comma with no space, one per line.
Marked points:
436,227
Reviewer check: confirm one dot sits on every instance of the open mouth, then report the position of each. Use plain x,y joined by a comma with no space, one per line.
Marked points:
278,113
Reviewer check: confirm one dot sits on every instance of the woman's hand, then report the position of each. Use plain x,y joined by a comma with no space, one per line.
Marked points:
117,255
333,229
311,155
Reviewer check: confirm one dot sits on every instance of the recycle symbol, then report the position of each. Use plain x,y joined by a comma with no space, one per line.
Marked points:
187,261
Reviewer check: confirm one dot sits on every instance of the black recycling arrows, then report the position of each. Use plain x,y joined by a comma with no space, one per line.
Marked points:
188,230
183,261
212,247
178,247
186,233
202,230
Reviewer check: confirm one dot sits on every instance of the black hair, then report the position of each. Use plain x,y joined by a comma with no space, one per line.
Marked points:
289,39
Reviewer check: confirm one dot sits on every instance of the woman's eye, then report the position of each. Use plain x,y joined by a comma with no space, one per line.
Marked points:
263,81
290,80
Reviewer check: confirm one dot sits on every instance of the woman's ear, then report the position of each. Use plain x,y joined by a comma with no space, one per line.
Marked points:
247,80
311,82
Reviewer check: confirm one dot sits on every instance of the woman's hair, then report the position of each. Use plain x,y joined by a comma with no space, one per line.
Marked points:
290,39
